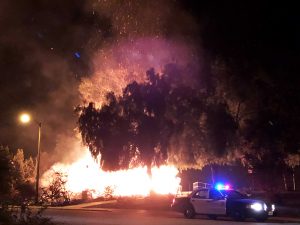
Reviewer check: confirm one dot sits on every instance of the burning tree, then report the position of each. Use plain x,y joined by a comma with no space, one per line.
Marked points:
170,117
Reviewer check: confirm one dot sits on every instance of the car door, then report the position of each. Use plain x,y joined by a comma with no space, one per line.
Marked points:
199,200
216,203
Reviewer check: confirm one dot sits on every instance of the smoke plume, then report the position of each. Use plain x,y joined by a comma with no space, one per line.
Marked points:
55,55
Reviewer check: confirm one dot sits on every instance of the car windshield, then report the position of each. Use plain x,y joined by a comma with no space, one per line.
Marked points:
231,194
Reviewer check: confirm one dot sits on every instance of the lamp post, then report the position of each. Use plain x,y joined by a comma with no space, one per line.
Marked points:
25,118
38,163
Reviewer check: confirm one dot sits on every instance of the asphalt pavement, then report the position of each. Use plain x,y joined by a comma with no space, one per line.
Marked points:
85,214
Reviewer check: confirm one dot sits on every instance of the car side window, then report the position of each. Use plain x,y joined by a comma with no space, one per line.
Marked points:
215,194
201,194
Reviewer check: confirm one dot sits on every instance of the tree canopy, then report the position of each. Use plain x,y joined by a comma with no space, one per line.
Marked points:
6,170
172,117
163,119
16,176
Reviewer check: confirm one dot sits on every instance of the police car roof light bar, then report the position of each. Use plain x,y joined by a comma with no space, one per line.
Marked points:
220,186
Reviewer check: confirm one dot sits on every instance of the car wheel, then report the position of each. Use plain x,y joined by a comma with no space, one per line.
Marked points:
212,217
239,215
261,219
189,212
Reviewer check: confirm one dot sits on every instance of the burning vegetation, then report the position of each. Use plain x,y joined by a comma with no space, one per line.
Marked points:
126,167
162,120
138,139
87,175
208,99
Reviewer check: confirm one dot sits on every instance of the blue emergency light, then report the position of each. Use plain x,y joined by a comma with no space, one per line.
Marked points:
220,186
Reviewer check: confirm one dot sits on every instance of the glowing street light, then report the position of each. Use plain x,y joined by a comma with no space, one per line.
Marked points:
26,118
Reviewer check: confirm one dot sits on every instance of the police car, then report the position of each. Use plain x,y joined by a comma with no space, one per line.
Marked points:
222,201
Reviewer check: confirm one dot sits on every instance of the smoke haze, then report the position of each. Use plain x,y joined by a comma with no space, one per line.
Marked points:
55,55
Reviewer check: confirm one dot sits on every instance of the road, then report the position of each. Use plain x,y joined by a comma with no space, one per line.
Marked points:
142,217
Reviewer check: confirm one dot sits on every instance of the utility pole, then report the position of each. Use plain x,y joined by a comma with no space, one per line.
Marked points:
37,179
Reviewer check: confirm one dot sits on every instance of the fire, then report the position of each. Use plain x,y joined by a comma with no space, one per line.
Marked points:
116,65
85,174
125,62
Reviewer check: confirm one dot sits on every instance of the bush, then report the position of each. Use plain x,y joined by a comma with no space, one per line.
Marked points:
23,216
55,193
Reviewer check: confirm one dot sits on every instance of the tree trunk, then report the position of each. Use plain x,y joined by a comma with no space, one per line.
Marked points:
284,182
237,114
149,170
212,174
294,181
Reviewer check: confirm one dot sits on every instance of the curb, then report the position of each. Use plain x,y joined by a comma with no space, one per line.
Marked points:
284,219
83,209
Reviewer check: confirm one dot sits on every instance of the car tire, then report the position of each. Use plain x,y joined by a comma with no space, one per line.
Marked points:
212,217
189,212
239,215
261,219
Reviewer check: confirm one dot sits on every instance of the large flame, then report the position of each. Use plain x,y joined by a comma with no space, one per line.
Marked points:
117,65
86,175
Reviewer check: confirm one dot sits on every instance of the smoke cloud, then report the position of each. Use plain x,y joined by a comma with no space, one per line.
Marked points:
128,61
55,55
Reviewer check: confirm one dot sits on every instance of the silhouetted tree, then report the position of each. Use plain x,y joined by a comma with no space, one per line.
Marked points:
265,107
162,118
6,172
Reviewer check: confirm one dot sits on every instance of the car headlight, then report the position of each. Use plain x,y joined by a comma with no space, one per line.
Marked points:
273,207
256,206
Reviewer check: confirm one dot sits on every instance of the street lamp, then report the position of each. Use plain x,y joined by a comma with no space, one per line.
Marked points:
26,118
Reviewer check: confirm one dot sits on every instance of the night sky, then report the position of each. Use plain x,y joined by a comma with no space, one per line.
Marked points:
48,47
